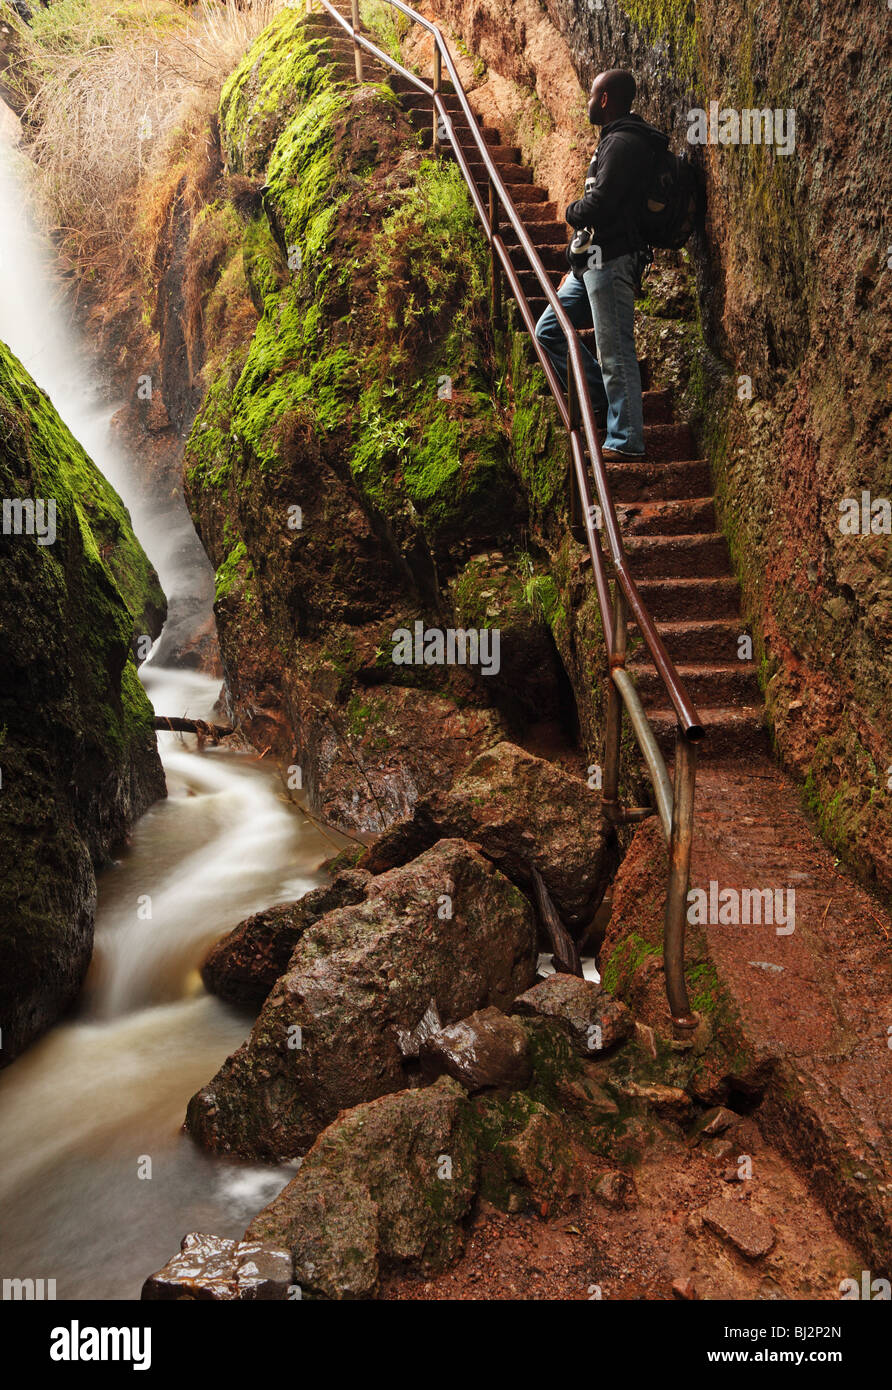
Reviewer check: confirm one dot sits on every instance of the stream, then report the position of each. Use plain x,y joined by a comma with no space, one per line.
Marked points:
98,1103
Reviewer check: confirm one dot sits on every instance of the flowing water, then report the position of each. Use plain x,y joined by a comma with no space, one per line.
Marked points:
88,1112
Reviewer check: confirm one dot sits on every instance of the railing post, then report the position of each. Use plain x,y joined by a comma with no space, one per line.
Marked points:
614,714
683,1020
577,523
496,287
357,51
438,83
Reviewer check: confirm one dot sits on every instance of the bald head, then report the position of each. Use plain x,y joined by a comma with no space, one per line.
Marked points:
612,95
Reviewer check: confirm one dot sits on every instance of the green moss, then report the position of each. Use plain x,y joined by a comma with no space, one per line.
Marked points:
63,471
628,955
79,757
541,596
282,70
673,20
236,566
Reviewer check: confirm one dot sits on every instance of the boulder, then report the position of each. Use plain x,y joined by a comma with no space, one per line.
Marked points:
386,1184
79,756
209,1268
593,1021
585,1093
485,1050
539,1164
522,811
669,1102
243,966
447,927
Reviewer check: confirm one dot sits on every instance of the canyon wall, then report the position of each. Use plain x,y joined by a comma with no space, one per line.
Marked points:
783,360
78,759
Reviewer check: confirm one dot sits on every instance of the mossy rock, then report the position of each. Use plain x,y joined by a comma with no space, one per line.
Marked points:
79,760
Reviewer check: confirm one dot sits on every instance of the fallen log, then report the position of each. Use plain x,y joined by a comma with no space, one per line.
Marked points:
177,725
565,956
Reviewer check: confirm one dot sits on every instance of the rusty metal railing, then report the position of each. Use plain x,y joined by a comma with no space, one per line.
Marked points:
674,799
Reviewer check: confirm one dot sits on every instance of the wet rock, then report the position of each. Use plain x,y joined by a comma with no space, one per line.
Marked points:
714,1122
669,1102
591,1018
243,966
447,926
584,1092
209,1268
616,1189
486,1049
79,755
386,1184
644,1038
735,1223
522,811
542,1160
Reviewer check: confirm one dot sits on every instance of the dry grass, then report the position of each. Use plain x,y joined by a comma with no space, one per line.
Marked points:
115,93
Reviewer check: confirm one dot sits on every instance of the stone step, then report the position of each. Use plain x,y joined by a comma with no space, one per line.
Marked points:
529,280
402,85
699,640
731,731
511,173
423,123
544,230
677,517
420,101
522,194
682,600
673,441
552,258
718,683
671,557
634,482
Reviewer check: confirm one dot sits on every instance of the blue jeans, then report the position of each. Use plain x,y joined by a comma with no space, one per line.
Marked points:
616,382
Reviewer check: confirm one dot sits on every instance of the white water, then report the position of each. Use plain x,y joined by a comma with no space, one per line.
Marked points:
84,1107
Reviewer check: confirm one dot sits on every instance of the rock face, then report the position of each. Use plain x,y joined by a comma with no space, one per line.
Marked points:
211,1269
592,1020
77,747
793,296
385,1185
329,379
522,811
447,926
244,965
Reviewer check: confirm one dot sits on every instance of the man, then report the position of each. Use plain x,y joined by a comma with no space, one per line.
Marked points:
607,259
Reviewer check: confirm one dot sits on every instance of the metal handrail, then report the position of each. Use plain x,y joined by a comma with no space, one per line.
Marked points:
675,804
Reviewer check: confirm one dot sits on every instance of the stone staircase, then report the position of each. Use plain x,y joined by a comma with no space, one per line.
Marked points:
665,505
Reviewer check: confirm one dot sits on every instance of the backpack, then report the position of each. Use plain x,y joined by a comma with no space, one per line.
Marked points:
674,202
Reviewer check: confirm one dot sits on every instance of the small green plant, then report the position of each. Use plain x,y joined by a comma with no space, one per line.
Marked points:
385,24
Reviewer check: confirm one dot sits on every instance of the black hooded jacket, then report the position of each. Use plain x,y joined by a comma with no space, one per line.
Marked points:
616,188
